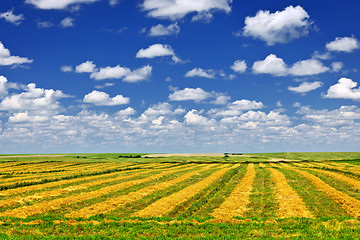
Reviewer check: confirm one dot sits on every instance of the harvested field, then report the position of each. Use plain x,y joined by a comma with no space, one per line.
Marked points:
113,203
165,205
172,192
351,205
291,205
235,204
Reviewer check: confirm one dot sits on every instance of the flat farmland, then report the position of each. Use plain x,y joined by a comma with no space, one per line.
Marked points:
126,196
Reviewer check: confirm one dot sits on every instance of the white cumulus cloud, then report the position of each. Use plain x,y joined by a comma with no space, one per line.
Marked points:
344,44
9,16
161,30
174,10
308,67
245,104
193,94
239,66
194,118
25,117
103,99
345,88
199,72
85,67
110,73
57,4
306,87
162,108
155,50
3,86
33,99
6,58
279,27
271,65
117,72
139,74
158,50
125,73
277,67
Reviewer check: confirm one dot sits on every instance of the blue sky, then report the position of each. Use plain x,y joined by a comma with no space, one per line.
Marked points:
179,76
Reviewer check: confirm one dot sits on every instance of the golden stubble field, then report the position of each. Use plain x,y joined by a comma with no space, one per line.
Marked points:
167,191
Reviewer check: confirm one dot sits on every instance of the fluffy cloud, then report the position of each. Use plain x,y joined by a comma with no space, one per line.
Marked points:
33,99
174,10
198,95
345,88
155,50
245,104
193,94
279,27
119,72
239,66
9,16
58,4
7,59
271,65
139,74
345,44
103,99
25,117
158,50
67,22
277,67
236,108
194,118
85,67
162,109
161,30
308,67
3,86
257,120
126,112
199,72
345,115
306,87
116,72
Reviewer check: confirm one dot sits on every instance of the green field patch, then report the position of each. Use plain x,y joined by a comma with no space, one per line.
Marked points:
283,229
